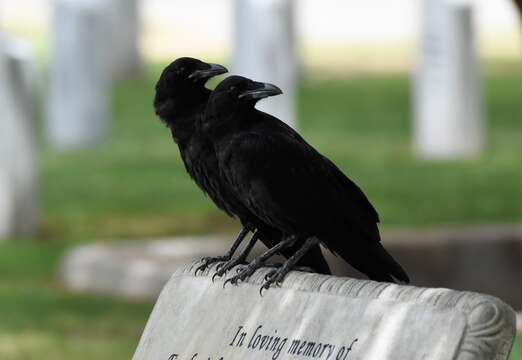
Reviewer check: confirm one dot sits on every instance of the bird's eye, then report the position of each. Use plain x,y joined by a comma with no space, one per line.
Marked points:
232,88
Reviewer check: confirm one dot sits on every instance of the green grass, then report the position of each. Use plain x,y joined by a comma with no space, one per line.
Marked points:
40,320
134,186
516,353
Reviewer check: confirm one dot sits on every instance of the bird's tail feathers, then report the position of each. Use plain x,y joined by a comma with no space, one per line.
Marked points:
375,262
388,269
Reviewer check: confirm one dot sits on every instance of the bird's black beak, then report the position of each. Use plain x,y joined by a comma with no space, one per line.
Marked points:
260,91
211,71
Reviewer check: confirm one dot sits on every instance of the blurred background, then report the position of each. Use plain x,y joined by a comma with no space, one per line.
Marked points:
418,101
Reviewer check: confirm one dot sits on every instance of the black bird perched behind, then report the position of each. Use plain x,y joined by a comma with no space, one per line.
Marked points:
181,97
290,186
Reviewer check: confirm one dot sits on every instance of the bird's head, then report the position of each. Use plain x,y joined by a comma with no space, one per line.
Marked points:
234,94
182,86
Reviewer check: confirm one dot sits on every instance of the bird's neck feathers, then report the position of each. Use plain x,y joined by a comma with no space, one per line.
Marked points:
181,115
218,124
187,103
182,129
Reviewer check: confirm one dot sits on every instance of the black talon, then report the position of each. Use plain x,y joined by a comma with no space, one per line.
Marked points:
242,274
229,264
208,261
224,259
275,277
230,281
214,276
278,275
263,287
269,275
201,267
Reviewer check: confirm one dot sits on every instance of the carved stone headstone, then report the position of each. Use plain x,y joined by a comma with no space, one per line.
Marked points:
18,183
80,73
264,50
315,316
447,90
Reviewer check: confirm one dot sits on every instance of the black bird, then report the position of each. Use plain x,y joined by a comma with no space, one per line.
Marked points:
290,186
180,100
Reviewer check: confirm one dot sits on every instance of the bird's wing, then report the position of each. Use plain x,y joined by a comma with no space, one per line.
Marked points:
289,185
353,194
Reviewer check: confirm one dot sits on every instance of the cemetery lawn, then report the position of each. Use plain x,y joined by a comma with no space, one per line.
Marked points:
134,186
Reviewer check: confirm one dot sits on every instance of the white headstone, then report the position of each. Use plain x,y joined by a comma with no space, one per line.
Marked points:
264,50
125,23
18,183
447,89
314,316
80,73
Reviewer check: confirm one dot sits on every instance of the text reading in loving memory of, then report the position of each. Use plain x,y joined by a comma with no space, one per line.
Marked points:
278,346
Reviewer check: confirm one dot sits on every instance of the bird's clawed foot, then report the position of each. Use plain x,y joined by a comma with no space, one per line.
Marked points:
276,276
207,261
245,272
222,268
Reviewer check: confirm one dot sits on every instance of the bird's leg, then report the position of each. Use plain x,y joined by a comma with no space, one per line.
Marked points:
277,275
260,261
240,259
207,261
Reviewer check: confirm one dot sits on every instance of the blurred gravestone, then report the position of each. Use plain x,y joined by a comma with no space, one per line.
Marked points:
265,50
18,210
447,92
80,73
125,27
8,118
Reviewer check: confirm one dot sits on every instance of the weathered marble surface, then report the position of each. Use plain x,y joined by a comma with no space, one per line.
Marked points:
335,318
